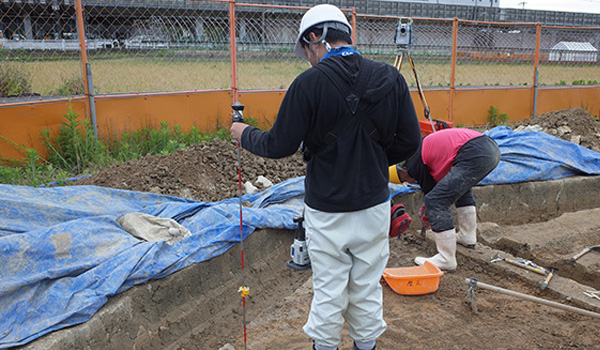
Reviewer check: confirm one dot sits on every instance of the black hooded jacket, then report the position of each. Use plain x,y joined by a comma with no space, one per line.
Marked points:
352,173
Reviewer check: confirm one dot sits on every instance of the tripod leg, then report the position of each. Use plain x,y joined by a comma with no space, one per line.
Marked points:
421,94
398,62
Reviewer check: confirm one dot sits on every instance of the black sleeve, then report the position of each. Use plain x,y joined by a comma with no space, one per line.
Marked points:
419,171
287,132
408,133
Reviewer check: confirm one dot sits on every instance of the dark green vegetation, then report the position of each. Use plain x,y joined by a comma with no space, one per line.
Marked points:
74,151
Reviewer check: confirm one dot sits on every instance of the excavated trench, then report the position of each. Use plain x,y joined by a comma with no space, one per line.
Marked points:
546,222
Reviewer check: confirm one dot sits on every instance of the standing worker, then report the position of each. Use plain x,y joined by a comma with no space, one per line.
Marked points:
353,118
447,166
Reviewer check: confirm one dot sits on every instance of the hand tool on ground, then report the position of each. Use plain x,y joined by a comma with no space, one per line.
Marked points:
585,251
523,263
238,117
298,250
546,281
472,298
592,294
472,282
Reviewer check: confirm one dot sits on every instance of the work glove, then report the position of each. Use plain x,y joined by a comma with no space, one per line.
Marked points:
400,221
424,219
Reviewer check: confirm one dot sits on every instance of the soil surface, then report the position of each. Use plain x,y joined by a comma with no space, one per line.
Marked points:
441,320
206,172
444,319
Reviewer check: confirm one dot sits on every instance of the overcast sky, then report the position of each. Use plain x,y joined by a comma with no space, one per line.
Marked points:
590,6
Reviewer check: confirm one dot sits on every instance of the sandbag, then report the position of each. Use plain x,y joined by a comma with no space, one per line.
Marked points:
153,228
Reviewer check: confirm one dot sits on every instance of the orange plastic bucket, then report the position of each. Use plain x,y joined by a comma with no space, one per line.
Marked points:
416,280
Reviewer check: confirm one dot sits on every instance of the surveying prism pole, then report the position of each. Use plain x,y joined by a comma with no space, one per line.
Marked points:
238,112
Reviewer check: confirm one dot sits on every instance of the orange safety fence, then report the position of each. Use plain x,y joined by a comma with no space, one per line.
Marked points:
183,48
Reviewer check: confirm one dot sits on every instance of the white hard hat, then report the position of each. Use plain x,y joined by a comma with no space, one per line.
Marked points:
320,14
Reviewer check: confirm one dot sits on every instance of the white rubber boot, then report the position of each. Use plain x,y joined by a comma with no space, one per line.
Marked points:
467,226
445,243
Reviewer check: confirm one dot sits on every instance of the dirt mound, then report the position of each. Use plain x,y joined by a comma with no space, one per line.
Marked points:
208,171
574,125
205,172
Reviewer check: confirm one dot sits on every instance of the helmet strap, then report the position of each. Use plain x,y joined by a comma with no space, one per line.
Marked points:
321,40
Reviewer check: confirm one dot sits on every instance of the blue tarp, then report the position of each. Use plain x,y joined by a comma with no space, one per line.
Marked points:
535,156
63,253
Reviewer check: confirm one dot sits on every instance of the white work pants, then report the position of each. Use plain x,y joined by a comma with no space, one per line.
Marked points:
348,253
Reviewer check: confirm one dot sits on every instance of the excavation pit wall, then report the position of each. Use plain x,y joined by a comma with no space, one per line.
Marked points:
201,304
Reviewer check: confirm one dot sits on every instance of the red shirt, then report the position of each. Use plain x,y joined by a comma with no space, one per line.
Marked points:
440,148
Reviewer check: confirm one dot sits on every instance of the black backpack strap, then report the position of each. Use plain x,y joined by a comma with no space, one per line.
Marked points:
352,95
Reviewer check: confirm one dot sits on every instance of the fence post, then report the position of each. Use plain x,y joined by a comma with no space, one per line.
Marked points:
233,52
536,63
87,72
453,69
90,98
354,26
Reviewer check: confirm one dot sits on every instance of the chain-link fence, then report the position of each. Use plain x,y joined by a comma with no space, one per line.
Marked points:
265,46
489,54
183,45
39,50
159,45
569,56
429,46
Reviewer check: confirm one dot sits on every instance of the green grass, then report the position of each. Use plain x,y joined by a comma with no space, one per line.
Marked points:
13,81
157,73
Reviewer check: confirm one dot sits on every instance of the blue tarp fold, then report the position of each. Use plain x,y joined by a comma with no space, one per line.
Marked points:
63,253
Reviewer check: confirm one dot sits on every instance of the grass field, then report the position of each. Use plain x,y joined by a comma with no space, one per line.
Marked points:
123,75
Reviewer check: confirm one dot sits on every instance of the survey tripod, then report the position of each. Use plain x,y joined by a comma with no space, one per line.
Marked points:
403,51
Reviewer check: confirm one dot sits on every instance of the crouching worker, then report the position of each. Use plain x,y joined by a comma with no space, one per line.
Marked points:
447,166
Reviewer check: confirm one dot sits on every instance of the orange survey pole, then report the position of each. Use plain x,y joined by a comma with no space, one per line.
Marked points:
233,52
354,26
83,51
238,109
453,69
536,64
88,86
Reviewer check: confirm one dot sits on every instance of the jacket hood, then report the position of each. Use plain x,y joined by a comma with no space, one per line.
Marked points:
380,82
